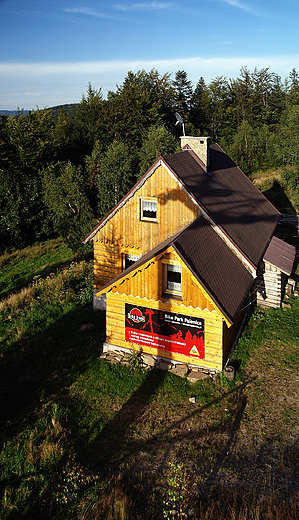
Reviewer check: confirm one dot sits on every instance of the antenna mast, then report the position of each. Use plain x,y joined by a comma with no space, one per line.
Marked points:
179,119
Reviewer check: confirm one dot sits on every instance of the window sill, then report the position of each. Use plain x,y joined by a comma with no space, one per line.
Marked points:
170,296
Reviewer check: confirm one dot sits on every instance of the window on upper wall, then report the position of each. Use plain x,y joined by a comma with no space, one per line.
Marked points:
129,259
149,209
173,279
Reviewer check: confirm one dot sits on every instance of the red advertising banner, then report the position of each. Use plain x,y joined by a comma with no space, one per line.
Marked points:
167,331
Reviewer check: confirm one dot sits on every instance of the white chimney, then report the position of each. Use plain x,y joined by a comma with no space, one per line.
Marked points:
199,145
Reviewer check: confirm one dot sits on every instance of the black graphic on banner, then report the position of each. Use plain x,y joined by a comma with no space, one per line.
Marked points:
167,331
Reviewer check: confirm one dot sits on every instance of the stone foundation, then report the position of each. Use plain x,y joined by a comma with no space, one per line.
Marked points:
115,354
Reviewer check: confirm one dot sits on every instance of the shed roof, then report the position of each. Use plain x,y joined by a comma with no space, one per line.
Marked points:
212,262
281,255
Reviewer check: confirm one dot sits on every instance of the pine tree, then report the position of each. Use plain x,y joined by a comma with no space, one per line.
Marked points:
182,93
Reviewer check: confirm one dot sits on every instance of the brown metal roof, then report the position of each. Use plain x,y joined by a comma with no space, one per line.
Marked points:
281,255
230,199
214,265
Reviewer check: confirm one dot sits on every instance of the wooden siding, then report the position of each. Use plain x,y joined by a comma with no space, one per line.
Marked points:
268,286
144,287
106,263
126,231
148,282
115,329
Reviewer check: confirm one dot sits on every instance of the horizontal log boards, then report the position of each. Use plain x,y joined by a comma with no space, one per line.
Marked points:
185,326
268,286
135,229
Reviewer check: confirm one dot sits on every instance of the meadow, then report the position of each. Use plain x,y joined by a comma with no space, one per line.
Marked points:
85,439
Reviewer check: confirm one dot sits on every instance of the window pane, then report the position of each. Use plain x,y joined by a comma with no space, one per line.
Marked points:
149,209
174,278
130,259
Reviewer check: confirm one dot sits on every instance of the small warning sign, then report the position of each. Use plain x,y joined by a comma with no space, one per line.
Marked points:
194,351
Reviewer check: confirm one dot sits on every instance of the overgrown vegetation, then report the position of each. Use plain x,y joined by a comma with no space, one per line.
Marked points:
85,439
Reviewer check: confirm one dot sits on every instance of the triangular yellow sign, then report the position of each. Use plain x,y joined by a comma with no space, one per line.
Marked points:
194,351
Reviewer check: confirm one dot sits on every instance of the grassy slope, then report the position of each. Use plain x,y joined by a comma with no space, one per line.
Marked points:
82,439
19,268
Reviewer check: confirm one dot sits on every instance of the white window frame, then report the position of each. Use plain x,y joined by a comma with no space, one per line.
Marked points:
151,203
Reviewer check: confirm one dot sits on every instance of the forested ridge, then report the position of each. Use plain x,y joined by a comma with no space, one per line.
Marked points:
62,169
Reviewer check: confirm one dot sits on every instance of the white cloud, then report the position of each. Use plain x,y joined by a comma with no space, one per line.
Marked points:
244,7
142,6
47,84
87,11
236,3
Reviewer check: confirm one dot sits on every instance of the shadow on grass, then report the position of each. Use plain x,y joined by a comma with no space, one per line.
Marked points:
42,365
276,195
46,365
286,231
121,447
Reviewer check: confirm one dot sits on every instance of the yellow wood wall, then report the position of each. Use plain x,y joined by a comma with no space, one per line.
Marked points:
115,329
106,263
144,287
125,232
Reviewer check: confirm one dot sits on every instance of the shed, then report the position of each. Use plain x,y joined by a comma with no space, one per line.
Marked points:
273,273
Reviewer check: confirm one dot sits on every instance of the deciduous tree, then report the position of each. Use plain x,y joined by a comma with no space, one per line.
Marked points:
159,141
116,176
65,197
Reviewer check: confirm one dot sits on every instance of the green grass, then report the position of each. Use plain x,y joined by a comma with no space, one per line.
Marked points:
276,328
85,439
21,267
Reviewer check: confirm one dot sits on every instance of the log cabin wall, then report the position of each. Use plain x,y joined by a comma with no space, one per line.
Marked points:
268,286
125,232
144,288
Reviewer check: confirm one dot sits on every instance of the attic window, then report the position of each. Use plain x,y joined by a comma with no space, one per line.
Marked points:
148,209
173,280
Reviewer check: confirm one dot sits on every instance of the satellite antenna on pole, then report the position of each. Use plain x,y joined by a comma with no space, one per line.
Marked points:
179,119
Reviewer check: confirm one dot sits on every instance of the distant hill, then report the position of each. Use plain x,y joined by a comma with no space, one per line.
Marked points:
68,108
12,112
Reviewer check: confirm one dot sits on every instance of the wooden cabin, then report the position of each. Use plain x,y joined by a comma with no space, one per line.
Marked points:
273,272
182,247
175,301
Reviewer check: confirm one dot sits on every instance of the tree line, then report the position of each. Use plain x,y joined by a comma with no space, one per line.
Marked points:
62,169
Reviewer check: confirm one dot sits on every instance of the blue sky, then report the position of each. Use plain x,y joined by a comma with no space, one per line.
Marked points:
50,50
